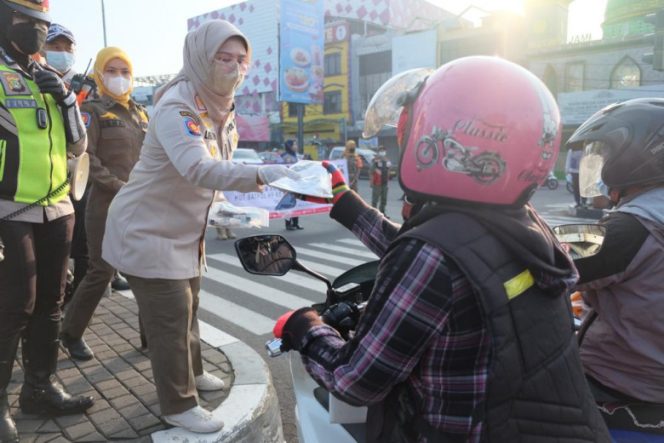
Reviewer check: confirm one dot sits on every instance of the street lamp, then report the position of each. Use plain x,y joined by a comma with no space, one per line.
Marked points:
103,20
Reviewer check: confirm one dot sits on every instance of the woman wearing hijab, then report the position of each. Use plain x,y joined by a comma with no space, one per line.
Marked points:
116,127
156,224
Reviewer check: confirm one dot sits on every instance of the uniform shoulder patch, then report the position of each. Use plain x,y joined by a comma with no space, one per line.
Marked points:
192,126
86,117
13,84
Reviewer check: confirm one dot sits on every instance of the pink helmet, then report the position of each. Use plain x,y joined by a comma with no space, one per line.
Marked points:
477,129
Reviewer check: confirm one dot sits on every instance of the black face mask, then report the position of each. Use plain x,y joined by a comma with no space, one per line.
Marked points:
28,37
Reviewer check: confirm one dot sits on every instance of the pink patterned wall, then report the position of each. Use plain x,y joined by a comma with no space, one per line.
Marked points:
409,15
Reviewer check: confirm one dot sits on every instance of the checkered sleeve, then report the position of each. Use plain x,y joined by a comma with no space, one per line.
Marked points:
406,309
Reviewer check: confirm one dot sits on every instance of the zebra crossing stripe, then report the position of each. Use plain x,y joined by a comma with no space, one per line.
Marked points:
364,252
352,241
329,257
258,290
236,314
329,271
293,277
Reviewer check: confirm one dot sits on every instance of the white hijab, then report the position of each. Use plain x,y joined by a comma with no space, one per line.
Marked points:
200,47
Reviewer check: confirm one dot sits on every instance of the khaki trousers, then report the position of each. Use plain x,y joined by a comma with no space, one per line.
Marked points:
168,313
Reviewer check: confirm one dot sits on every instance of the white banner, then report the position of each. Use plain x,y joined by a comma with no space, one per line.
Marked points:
270,198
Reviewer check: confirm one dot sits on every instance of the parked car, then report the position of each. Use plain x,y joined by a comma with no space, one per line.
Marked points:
367,157
271,157
247,156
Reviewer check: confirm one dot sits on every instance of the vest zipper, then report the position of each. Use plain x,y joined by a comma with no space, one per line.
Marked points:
50,149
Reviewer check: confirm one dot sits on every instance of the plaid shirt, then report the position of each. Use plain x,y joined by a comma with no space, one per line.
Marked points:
422,326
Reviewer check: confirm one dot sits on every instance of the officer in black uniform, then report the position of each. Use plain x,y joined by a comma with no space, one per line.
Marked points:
40,125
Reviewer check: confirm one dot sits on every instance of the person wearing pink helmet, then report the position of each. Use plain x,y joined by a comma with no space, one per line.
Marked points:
467,335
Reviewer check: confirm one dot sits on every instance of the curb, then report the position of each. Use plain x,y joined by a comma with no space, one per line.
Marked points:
251,410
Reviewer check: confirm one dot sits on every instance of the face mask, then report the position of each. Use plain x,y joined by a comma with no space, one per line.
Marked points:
60,60
28,37
225,83
117,85
381,153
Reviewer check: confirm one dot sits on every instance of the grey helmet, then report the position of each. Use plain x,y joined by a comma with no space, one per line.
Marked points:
630,136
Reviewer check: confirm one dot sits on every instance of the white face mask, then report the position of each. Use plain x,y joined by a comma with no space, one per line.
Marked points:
117,84
60,60
381,153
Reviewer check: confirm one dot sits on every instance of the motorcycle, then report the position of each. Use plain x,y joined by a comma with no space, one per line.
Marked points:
551,181
582,241
321,417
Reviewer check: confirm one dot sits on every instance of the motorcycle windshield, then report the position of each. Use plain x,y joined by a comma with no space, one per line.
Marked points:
363,273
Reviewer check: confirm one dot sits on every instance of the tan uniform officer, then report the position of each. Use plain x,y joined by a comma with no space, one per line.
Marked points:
156,224
116,127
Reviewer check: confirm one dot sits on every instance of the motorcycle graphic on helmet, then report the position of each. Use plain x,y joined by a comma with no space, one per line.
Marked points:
485,167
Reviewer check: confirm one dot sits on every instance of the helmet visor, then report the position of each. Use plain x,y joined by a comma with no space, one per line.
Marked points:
590,170
385,106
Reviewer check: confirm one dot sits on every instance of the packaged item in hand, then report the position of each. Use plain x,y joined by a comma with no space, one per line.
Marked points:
226,215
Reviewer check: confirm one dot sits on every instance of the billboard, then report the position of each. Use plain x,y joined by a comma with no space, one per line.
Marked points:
301,51
577,107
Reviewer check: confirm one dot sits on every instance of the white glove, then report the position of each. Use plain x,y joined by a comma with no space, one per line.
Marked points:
271,173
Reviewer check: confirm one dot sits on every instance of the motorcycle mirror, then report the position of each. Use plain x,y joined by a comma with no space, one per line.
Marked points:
580,240
265,254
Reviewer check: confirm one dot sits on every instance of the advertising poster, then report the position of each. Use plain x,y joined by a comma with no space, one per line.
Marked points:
301,49
270,198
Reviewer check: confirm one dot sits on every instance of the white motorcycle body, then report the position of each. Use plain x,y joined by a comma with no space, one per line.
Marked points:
317,423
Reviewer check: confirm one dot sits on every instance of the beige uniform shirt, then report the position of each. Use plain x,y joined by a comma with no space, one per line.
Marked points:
156,223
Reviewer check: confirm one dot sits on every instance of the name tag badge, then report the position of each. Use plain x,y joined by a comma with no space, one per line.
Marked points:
111,123
20,103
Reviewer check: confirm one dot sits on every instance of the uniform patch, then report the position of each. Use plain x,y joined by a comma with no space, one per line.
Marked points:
86,117
199,104
192,127
13,84
188,114
20,103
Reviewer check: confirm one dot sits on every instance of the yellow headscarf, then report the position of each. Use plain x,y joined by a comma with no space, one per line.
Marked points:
103,57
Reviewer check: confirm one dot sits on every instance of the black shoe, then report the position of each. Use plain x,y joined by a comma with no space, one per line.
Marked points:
298,227
50,399
77,348
8,433
290,228
119,283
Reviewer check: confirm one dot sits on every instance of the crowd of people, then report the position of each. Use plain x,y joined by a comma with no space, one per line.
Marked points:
467,335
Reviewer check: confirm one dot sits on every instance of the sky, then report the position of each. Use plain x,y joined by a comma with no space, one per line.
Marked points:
152,31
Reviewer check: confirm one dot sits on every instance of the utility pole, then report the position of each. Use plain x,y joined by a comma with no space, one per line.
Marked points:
103,21
300,127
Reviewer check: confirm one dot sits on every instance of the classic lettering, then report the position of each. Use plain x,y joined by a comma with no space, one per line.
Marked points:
477,128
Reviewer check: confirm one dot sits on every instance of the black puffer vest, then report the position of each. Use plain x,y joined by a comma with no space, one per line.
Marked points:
536,389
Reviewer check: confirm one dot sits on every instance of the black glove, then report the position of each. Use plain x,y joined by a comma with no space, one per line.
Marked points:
50,83
295,326
342,316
